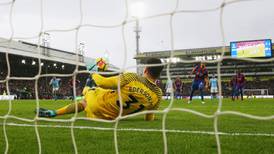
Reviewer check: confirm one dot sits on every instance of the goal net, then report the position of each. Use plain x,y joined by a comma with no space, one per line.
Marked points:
81,24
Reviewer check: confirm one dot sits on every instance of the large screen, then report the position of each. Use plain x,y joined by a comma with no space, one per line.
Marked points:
256,48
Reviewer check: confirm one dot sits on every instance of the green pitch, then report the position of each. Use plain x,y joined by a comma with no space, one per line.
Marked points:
187,133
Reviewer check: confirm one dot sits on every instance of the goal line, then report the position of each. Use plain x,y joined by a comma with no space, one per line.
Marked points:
200,132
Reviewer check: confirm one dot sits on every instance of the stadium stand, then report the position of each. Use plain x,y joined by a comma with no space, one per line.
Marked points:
252,71
53,61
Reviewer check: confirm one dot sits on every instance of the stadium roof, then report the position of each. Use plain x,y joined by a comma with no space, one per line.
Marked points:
186,53
183,52
31,50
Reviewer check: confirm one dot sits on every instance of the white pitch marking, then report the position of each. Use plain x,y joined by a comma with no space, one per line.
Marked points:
144,130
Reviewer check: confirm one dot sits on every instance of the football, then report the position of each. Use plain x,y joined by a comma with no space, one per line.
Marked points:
101,64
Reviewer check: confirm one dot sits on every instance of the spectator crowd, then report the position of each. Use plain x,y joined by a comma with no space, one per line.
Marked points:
25,89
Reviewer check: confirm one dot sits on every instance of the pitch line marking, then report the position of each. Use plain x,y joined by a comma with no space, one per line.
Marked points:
145,130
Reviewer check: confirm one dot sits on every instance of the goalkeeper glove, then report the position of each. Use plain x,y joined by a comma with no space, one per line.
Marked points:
90,82
46,113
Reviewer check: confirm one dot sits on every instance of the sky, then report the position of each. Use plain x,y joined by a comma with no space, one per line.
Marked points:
246,20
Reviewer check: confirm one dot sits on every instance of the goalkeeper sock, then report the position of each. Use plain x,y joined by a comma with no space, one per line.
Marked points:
71,108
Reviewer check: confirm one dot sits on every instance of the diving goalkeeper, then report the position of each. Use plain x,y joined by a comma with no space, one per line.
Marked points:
101,97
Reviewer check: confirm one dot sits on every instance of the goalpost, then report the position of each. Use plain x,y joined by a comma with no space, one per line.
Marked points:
121,25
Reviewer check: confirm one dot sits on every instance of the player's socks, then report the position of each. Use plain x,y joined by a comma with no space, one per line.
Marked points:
69,109
61,111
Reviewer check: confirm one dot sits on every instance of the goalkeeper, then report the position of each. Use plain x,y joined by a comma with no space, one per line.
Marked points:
101,97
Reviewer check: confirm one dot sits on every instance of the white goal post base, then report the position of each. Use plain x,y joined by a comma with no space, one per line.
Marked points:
209,97
263,96
256,91
7,97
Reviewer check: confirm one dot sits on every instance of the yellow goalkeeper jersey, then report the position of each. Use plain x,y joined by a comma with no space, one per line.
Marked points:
137,94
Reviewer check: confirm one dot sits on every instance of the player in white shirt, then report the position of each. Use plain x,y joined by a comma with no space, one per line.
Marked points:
213,82
169,86
55,83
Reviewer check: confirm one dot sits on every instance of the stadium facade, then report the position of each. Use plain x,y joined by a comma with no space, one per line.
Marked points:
22,59
180,67
259,75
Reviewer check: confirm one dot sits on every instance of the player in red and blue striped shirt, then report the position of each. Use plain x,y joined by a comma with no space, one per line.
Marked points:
233,87
240,83
200,80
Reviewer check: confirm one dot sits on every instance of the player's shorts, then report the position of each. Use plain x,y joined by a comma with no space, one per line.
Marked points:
197,85
178,91
55,89
213,89
234,91
239,88
98,105
168,90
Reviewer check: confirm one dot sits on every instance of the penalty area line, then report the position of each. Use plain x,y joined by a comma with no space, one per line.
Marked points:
143,130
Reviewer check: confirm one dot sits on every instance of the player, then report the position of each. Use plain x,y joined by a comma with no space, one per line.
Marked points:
178,87
233,87
101,97
200,80
169,87
77,82
4,93
159,83
240,83
213,86
55,83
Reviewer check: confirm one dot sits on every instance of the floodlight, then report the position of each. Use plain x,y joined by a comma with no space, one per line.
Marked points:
137,9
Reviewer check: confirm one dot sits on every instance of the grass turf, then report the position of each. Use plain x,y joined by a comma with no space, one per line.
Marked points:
188,140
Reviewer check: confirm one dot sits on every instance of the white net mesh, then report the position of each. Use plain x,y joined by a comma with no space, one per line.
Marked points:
121,25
